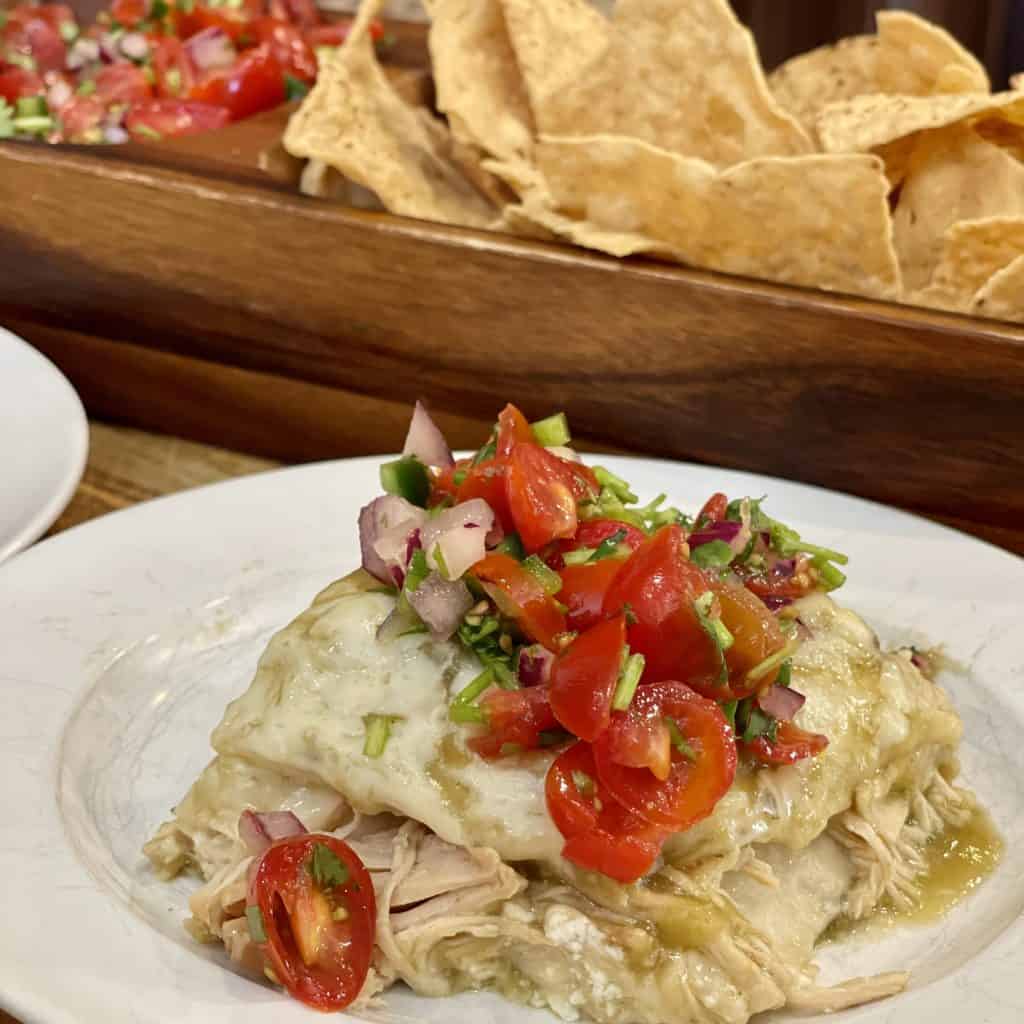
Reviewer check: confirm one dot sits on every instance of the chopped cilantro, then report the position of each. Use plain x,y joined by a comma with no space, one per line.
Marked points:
146,131
608,480
729,710
326,868
772,662
609,547
629,679
679,740
378,732
510,544
488,451
294,88
485,642
87,88
463,708
752,722
716,631
716,554
579,557
257,928
6,119
159,9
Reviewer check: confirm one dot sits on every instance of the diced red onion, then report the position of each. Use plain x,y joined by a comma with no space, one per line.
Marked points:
736,535
59,93
441,604
460,534
83,51
110,49
379,517
784,567
425,440
134,46
773,602
533,666
781,702
259,830
211,49
115,134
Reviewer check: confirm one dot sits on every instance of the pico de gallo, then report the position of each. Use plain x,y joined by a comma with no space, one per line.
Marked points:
149,69
643,651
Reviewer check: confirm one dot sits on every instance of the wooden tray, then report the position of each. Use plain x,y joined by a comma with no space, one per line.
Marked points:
182,289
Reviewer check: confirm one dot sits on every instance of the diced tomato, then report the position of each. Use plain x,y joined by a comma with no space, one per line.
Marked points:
714,510
515,718
642,741
16,83
583,591
253,84
513,429
756,635
172,68
774,584
233,20
600,835
540,496
301,13
694,786
319,931
335,33
660,587
487,481
30,32
791,744
80,119
128,13
288,46
521,596
173,117
592,532
122,83
583,679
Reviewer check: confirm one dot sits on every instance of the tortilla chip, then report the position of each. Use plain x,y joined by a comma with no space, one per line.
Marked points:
681,74
1003,296
479,87
534,219
815,220
354,121
962,178
866,123
909,56
973,251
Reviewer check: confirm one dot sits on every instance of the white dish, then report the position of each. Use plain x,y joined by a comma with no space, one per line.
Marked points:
44,440
124,639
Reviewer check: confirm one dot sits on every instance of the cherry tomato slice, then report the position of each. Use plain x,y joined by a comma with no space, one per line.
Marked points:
791,744
714,510
693,787
172,68
122,83
520,596
80,119
515,718
487,481
583,591
173,117
513,429
253,84
234,20
593,531
756,636
642,742
583,679
31,33
320,960
571,790
540,490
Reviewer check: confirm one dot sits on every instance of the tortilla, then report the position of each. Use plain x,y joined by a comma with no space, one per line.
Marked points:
1003,296
866,123
962,177
479,87
354,121
680,74
909,56
815,220
973,252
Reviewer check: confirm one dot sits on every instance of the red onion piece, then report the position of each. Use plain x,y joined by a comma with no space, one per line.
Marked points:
134,46
781,702
773,602
381,517
211,49
460,533
110,51
58,94
533,666
83,51
425,440
736,535
441,604
258,830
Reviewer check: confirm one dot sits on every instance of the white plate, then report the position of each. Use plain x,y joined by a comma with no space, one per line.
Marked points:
122,640
44,439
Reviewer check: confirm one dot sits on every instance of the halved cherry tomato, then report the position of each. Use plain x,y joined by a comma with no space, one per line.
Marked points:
660,587
593,531
234,20
80,118
600,835
791,744
31,33
288,46
643,742
122,83
539,487
254,83
583,679
487,481
714,509
521,597
16,83
172,68
128,12
173,117
756,635
693,787
515,718
583,591
513,429
319,941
